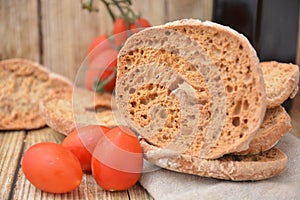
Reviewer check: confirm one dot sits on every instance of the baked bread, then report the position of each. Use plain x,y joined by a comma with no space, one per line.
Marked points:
281,80
64,112
193,87
22,84
230,167
276,123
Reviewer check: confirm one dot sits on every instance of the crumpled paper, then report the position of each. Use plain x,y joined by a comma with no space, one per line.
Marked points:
165,184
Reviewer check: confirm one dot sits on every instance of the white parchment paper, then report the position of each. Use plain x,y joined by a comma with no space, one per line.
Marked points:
165,184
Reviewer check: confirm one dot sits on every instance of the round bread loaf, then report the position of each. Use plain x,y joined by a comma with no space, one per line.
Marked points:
191,87
23,84
281,80
277,123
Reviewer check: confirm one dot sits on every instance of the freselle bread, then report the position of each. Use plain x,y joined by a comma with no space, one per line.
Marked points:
192,87
22,84
281,80
276,123
229,167
64,111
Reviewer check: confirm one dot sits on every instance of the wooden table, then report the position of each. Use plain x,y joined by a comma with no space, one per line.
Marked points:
14,185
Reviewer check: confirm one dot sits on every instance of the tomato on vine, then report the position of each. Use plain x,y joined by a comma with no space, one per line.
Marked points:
120,31
102,42
139,24
100,75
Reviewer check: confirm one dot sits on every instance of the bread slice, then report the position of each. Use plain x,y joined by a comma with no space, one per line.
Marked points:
22,84
281,81
229,167
276,123
64,111
191,86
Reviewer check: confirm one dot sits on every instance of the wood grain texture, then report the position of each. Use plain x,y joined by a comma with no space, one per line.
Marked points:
67,30
88,188
199,9
10,149
19,29
154,10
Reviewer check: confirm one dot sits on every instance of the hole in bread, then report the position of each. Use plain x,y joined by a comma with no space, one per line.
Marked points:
241,47
228,133
229,88
241,135
153,96
133,104
167,33
245,121
144,116
245,104
131,90
236,121
235,88
144,101
237,108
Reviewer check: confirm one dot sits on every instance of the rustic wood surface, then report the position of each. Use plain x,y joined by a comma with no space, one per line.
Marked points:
14,185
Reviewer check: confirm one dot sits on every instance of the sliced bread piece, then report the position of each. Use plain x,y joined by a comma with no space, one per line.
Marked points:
276,123
281,80
22,84
191,86
64,111
229,167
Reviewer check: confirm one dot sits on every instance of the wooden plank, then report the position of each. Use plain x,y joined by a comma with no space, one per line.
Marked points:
19,29
153,10
198,9
87,190
138,192
10,149
67,31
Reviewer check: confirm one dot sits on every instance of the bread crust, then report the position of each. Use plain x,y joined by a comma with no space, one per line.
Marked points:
23,83
282,86
65,111
222,112
229,167
276,123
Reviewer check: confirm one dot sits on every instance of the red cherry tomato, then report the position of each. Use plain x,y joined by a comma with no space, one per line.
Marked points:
117,160
102,68
139,24
102,42
52,168
82,141
120,32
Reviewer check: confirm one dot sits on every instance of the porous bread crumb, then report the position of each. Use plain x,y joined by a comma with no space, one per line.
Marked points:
281,81
238,70
276,123
23,84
